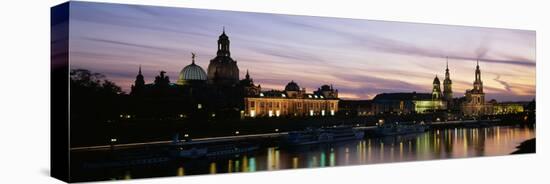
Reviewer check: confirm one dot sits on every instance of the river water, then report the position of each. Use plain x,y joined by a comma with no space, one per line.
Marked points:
434,144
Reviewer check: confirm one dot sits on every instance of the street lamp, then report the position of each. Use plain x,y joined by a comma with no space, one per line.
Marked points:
113,141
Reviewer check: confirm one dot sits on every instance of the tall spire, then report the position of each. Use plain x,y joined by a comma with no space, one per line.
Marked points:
447,63
447,85
447,75
247,75
478,72
139,70
478,84
223,29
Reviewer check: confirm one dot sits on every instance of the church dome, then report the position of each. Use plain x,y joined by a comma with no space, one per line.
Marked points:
436,80
292,86
191,72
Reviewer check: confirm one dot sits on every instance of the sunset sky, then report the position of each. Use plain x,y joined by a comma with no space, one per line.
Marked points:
361,58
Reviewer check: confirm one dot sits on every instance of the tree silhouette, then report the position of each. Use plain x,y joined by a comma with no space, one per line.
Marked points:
86,82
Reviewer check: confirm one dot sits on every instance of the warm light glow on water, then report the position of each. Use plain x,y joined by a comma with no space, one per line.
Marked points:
181,171
437,144
213,168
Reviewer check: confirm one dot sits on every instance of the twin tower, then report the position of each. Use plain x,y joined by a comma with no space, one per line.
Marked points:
447,87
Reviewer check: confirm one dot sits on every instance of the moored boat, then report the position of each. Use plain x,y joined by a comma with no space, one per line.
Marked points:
399,128
322,135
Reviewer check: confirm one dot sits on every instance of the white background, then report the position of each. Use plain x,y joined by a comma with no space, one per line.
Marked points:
24,90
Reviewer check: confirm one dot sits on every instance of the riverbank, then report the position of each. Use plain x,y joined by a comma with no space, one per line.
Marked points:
528,146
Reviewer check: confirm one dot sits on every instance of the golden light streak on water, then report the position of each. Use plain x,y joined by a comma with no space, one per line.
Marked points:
213,168
127,175
271,158
277,160
369,152
294,162
400,151
181,171
245,164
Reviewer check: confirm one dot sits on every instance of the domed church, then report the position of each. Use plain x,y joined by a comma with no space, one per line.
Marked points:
192,74
223,70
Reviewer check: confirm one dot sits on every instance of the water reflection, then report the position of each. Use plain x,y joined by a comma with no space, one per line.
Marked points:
436,144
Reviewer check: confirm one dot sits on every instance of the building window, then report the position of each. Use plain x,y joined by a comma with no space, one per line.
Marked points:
332,112
252,104
252,113
270,113
310,112
277,113
322,112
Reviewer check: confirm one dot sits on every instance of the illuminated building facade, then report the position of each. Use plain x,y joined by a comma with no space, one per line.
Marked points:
406,103
500,108
291,102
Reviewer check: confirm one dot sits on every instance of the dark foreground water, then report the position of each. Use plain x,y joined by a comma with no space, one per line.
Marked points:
435,144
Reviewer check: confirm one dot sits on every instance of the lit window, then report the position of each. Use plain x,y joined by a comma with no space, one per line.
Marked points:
310,112
322,112
277,113
332,112
270,113
252,113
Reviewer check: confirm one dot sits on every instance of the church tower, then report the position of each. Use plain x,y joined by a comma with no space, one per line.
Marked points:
447,85
436,91
223,70
139,83
478,84
475,98
223,45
